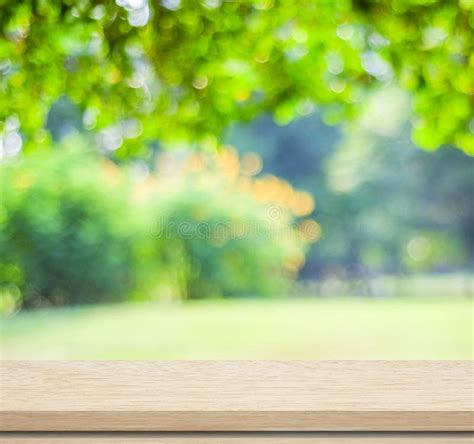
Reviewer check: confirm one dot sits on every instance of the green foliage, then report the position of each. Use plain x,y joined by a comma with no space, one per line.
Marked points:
215,242
185,69
64,237
378,199
75,230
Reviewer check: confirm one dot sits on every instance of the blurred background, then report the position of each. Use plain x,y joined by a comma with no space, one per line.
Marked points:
302,238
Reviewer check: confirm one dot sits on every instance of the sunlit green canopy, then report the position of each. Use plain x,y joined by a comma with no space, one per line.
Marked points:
184,70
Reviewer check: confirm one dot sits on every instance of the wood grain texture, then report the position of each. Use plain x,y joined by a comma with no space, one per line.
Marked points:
236,396
238,438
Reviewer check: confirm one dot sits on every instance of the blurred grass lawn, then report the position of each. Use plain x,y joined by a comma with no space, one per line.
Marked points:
333,328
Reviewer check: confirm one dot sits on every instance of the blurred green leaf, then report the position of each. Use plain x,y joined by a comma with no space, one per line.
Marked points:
186,69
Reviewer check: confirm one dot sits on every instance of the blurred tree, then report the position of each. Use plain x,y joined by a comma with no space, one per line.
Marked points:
383,206
220,231
184,69
58,210
75,229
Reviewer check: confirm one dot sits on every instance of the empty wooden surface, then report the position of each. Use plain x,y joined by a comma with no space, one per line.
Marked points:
239,438
236,396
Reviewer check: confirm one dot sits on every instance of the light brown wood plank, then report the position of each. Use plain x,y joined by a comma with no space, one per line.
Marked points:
239,438
236,396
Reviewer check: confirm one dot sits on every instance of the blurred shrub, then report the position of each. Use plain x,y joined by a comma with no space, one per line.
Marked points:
220,232
77,229
64,232
212,244
431,250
